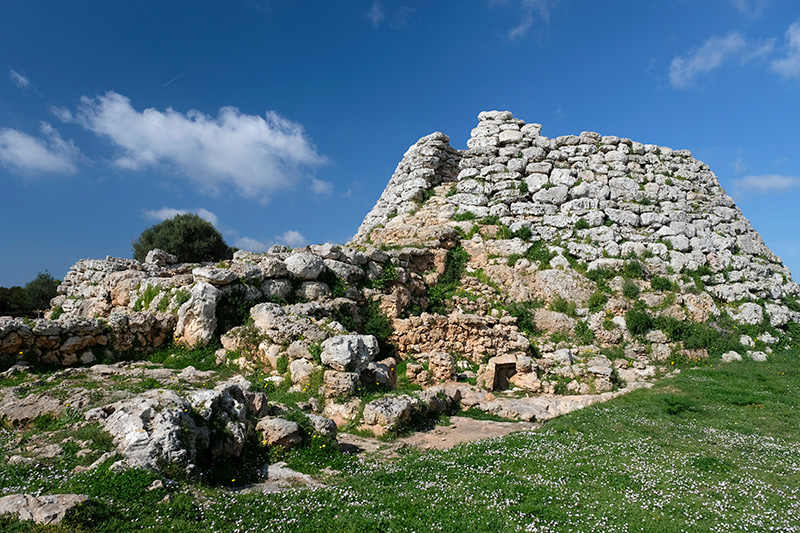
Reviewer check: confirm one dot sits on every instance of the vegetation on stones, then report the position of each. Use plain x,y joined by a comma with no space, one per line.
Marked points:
465,216
441,292
187,236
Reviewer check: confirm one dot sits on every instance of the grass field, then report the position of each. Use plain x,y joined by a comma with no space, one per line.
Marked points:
712,449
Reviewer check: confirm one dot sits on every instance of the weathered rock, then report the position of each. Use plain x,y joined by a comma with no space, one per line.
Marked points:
391,411
197,318
49,509
339,384
441,366
280,432
160,258
305,266
349,352
323,426
214,275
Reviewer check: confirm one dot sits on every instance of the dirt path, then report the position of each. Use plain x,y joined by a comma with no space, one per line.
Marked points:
461,429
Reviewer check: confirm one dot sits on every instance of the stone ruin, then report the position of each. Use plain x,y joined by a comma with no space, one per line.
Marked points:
520,261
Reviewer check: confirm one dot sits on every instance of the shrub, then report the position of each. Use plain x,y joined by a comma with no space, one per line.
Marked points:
188,237
463,217
539,252
633,269
638,320
661,284
523,312
376,323
524,233
582,223
597,301
630,289
561,305
439,293
583,332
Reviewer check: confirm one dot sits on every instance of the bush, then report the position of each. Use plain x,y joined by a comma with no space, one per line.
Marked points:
630,289
540,252
633,269
440,293
661,284
638,321
597,301
523,312
188,237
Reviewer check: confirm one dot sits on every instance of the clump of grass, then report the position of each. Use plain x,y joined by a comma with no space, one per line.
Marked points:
630,289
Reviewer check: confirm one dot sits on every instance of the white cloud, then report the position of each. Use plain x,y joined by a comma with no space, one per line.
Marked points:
789,66
254,154
321,187
48,153
19,80
749,8
292,238
532,10
684,71
767,183
251,245
376,14
169,212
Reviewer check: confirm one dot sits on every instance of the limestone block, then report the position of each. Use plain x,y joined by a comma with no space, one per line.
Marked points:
305,265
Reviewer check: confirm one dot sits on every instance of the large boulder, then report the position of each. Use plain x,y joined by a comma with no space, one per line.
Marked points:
50,509
197,319
390,412
305,266
349,352
280,432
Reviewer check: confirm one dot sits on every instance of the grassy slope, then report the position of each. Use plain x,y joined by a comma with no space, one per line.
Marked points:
712,449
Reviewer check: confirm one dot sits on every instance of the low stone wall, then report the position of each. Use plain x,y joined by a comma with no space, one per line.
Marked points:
81,340
472,336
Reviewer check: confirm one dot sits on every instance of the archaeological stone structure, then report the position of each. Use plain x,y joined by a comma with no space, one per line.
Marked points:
569,265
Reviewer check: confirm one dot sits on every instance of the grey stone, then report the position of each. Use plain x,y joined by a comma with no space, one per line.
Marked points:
305,265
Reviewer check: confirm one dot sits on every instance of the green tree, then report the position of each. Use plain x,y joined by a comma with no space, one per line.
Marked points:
188,237
39,291
12,300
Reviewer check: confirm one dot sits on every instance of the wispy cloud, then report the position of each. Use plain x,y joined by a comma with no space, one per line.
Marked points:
169,212
789,66
766,183
533,11
19,80
291,238
256,155
31,155
376,14
251,245
684,71
397,18
321,187
749,8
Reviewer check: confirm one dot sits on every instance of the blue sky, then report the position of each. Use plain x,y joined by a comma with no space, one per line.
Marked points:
282,121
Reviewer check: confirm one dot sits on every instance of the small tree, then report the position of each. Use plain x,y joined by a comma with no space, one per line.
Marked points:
39,291
188,237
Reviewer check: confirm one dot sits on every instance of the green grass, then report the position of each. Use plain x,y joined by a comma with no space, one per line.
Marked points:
710,449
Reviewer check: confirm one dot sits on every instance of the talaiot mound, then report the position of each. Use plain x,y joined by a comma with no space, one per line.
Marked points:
575,267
